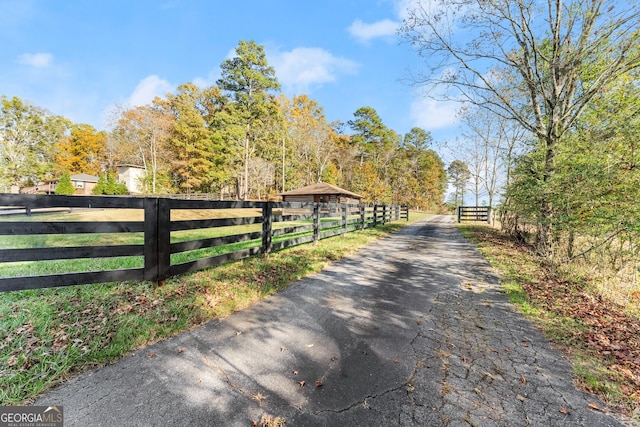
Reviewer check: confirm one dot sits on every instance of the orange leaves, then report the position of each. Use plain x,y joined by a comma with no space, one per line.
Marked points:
595,407
606,328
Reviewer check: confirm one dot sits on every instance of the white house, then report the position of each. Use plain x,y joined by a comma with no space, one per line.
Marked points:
131,176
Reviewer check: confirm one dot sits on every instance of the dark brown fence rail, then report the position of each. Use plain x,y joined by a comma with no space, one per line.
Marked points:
159,233
474,213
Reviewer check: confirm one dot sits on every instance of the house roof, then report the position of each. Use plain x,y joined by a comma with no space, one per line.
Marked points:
127,165
84,177
320,188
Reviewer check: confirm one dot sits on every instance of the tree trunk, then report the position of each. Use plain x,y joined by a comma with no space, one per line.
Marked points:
245,184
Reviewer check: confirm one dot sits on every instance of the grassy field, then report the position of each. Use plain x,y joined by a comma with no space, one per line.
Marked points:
49,335
599,335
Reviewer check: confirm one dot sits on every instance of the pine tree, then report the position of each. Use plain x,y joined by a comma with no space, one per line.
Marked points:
65,186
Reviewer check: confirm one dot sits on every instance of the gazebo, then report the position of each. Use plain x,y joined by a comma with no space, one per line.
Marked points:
321,193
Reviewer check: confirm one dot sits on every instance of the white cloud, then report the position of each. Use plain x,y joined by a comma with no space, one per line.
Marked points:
402,7
430,114
38,60
302,68
149,88
365,32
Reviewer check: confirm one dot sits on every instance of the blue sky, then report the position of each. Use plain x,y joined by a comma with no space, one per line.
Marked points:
79,58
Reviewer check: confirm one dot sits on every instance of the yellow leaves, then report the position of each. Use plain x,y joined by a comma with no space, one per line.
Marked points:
82,151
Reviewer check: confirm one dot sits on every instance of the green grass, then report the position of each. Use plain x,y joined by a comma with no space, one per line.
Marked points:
36,268
49,335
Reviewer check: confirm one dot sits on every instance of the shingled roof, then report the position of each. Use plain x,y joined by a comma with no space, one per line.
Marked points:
320,188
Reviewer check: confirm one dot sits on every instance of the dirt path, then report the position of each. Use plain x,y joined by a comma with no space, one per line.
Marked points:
411,331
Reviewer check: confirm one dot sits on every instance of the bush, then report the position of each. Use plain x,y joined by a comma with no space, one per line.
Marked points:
65,186
109,186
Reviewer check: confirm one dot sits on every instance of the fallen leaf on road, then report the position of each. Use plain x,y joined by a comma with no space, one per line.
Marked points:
594,407
181,350
564,410
523,380
319,383
309,345
302,383
152,355
295,372
521,398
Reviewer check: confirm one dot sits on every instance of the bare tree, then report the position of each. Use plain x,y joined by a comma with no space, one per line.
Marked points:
492,143
537,62
140,136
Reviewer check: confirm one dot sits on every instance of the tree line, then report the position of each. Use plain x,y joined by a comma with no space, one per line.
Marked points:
240,138
549,90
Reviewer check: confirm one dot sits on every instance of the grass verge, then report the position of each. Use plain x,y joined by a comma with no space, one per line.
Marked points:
600,337
49,335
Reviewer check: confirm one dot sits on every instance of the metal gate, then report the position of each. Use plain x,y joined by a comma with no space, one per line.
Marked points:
474,213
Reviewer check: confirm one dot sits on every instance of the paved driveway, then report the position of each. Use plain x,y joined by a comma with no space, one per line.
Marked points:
411,331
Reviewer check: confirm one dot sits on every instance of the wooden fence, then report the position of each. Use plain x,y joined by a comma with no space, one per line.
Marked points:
279,230
474,213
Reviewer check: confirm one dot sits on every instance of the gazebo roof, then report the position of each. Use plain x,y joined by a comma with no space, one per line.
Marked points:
320,188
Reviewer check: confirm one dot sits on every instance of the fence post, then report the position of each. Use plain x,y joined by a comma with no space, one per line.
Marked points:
345,214
267,227
384,214
362,217
157,239
407,211
375,215
459,212
316,222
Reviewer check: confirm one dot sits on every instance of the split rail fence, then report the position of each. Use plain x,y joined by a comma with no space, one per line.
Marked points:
161,234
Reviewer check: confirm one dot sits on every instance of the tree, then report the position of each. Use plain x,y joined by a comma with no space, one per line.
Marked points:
596,187
491,142
27,137
417,175
64,187
108,185
83,151
250,81
311,139
459,175
374,140
200,157
539,63
141,136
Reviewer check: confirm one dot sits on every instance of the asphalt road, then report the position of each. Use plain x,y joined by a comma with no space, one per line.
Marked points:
411,331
